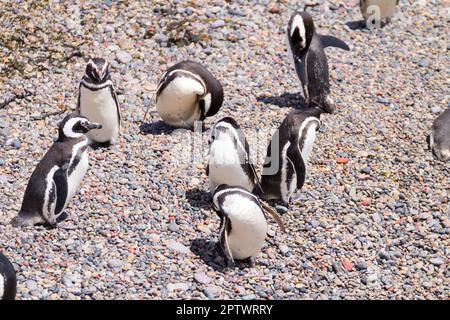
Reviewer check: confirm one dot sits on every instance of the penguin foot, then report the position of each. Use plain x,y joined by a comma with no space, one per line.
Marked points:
21,221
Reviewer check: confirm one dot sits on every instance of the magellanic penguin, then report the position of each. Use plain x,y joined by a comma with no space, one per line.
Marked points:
57,177
8,281
243,226
229,157
378,12
307,51
440,136
188,92
98,102
286,165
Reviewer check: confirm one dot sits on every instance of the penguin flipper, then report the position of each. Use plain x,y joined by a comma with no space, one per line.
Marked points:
255,179
300,67
113,93
62,189
274,214
330,41
294,155
224,240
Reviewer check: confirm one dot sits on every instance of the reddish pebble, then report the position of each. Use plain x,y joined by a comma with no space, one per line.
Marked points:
365,202
347,265
274,9
342,160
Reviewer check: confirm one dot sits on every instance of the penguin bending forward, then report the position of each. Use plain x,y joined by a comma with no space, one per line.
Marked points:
310,61
229,157
440,136
286,165
97,101
57,177
378,11
243,225
8,281
188,92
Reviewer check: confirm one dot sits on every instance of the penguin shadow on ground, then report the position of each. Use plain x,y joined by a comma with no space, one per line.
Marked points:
156,128
286,100
199,198
356,25
211,253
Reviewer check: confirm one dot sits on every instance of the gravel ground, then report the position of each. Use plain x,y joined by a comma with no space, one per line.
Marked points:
370,223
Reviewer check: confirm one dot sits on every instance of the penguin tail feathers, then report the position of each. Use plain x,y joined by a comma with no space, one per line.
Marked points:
330,41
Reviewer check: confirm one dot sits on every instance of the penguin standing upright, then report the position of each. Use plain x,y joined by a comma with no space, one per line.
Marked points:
307,51
378,11
286,164
57,177
243,226
188,92
229,157
8,281
98,102
440,136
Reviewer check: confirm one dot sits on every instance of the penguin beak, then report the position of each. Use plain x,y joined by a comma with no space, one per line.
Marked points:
93,125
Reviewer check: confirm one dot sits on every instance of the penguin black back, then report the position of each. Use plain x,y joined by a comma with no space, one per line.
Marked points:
199,73
8,281
310,61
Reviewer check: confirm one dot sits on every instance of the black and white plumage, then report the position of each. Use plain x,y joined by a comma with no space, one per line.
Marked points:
8,281
440,136
229,157
306,48
57,177
98,102
243,225
188,92
286,164
378,12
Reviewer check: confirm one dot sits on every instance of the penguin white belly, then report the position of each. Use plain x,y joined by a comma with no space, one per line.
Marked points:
287,188
178,102
76,176
225,167
248,227
100,106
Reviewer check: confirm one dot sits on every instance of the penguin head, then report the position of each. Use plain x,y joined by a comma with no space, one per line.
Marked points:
74,126
223,126
300,31
97,70
8,281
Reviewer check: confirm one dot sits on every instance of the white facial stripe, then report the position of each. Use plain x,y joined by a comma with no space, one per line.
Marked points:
230,190
49,184
298,23
305,124
68,128
233,130
105,66
97,86
196,77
